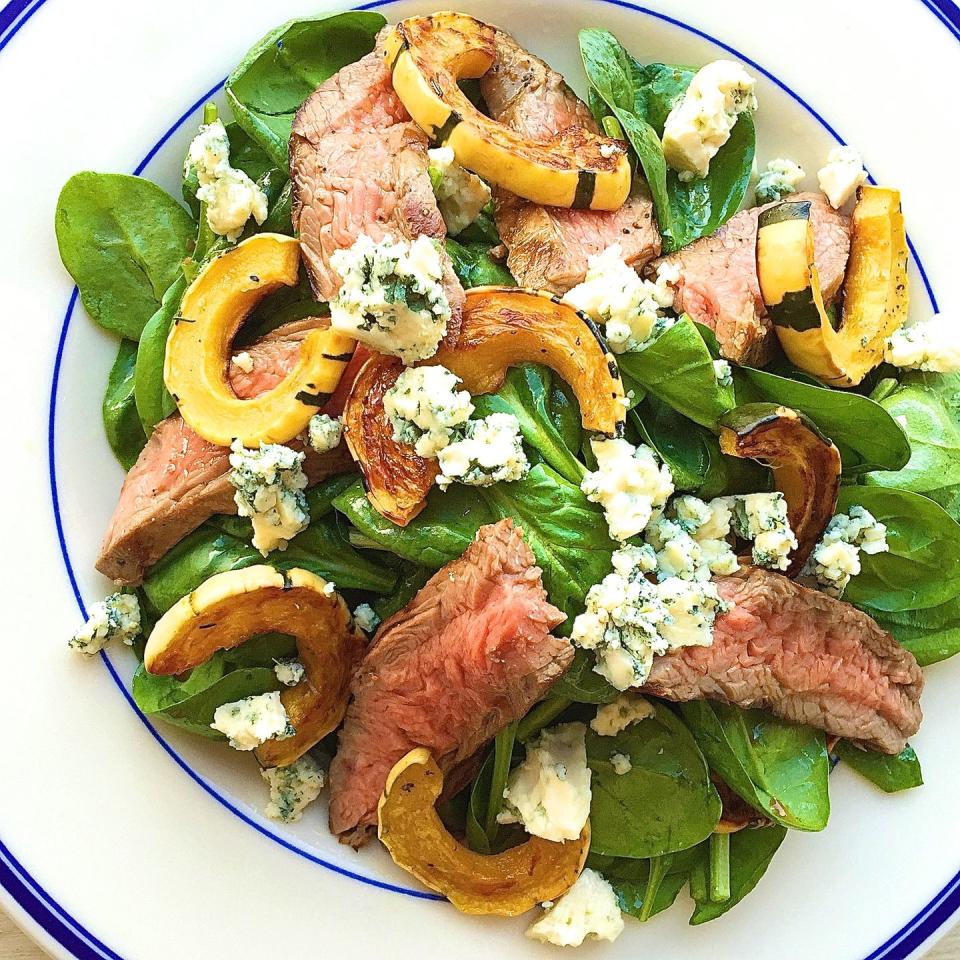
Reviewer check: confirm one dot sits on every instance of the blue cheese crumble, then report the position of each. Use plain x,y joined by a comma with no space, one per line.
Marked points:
269,484
723,372
780,178
690,540
588,910
115,618
841,175
630,483
254,720
289,672
292,788
932,345
426,409
762,518
461,195
621,763
392,297
365,617
700,123
613,294
230,196
836,558
324,432
549,793
489,451
613,718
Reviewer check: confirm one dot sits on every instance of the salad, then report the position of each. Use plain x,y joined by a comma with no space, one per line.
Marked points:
556,494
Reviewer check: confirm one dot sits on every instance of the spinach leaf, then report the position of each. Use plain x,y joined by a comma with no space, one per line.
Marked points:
410,579
564,413
483,231
779,768
890,774
122,239
582,684
120,421
634,886
664,803
867,437
750,854
474,266
677,368
931,635
922,567
284,306
486,794
526,393
287,65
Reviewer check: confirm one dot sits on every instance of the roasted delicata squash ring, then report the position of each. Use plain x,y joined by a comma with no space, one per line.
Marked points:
805,466
876,296
429,55
396,477
231,607
505,884
198,349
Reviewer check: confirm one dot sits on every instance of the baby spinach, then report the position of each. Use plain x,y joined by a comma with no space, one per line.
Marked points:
931,635
120,421
474,266
866,435
122,239
922,567
486,794
665,803
582,684
890,774
677,368
153,400
750,854
645,888
779,768
564,413
287,65
410,578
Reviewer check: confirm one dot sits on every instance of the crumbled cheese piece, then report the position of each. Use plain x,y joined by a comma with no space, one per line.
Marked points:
723,373
254,720
231,197
692,608
589,909
630,483
549,793
461,195
841,175
700,123
490,451
426,409
762,518
366,618
778,180
289,672
292,788
324,432
836,558
392,296
613,294
270,482
684,541
244,361
115,618
932,345
621,763
614,718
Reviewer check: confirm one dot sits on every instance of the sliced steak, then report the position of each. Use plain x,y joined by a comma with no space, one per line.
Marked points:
718,283
805,656
469,654
358,164
548,247
180,479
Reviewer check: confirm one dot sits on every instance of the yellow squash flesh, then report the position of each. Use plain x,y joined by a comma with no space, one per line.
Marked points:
504,884
429,55
198,349
231,607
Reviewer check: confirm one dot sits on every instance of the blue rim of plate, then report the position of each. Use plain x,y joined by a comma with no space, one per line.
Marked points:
31,897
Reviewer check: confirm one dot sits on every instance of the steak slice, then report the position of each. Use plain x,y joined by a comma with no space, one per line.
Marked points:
180,479
804,655
548,247
469,654
358,164
718,283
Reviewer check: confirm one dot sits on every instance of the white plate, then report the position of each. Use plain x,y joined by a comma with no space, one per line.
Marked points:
118,840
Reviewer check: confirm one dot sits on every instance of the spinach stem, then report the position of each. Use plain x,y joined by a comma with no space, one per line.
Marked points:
210,112
540,716
658,870
698,881
612,128
720,867
502,755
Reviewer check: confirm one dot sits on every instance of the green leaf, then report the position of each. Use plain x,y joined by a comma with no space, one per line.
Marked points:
287,65
122,239
120,421
631,880
750,854
931,635
153,400
779,768
663,804
474,266
582,684
867,437
890,774
411,578
677,368
921,568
